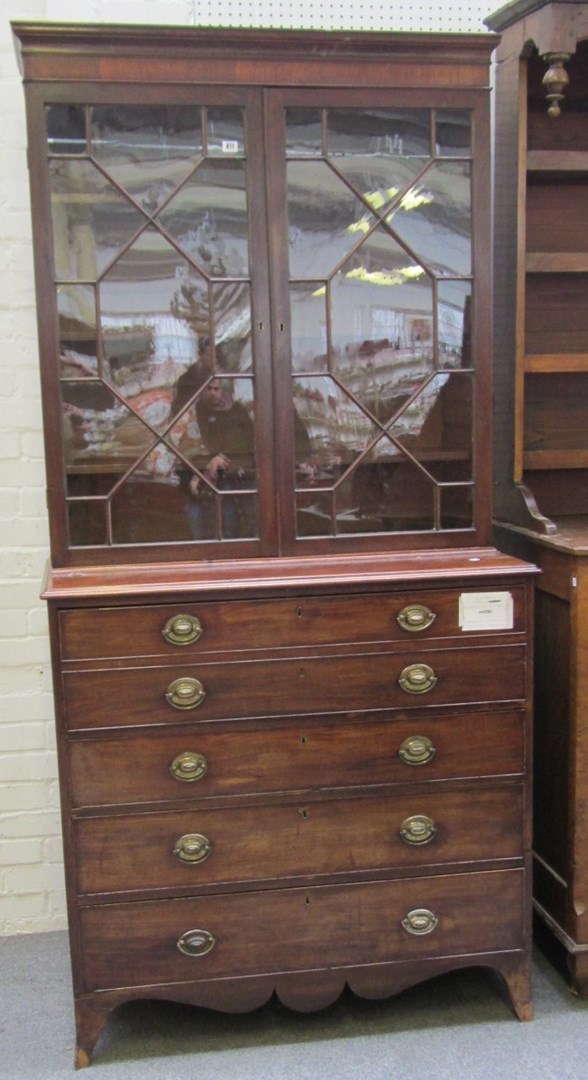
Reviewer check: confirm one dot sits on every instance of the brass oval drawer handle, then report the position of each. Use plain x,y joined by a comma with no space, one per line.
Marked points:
182,629
418,829
185,693
192,848
420,921
196,942
188,766
415,617
416,750
417,679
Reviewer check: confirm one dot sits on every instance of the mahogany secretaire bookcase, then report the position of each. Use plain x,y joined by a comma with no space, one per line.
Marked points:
291,674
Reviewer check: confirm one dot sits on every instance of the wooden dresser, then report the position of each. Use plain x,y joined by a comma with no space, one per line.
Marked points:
541,346
292,677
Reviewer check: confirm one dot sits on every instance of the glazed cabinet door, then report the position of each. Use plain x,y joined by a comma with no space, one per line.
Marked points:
156,300
378,260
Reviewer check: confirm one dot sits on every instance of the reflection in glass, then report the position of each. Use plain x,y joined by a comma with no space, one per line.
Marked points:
399,133
225,132
76,306
387,494
453,132
454,319
382,300
91,220
434,218
303,132
100,434
308,325
215,435
208,218
66,129
457,507
338,430
148,150
436,427
326,221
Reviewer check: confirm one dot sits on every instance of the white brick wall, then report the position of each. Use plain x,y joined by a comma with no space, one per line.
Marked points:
31,874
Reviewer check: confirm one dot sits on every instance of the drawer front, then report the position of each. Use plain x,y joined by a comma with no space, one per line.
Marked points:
287,930
304,754
204,847
131,696
199,628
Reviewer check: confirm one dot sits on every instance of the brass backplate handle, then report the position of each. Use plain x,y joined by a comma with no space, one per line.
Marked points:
192,848
188,766
418,829
415,617
417,679
420,921
185,693
182,629
196,942
416,750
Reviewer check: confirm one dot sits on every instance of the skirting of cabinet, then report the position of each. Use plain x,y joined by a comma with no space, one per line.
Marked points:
229,951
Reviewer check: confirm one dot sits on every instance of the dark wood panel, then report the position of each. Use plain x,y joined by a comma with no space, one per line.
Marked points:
297,840
340,683
306,754
258,624
300,929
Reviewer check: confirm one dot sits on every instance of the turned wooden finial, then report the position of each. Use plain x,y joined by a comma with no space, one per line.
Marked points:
555,80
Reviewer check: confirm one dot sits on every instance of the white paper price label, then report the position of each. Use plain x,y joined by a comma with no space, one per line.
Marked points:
486,611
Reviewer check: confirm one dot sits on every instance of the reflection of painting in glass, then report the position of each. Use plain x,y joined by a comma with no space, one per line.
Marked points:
381,298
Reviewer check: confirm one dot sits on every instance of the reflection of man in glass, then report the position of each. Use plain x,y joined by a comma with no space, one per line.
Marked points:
227,434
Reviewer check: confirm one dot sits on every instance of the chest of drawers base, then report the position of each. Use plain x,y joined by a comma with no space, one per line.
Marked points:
292,788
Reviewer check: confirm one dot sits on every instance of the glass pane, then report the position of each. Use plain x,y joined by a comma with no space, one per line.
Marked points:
308,322
386,493
145,133
76,306
454,318
91,220
215,434
303,132
208,218
148,339
403,133
102,438
436,427
337,431
326,220
88,522
452,133
382,320
434,218
225,133
66,129
232,322
456,507
148,150
379,152
150,506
